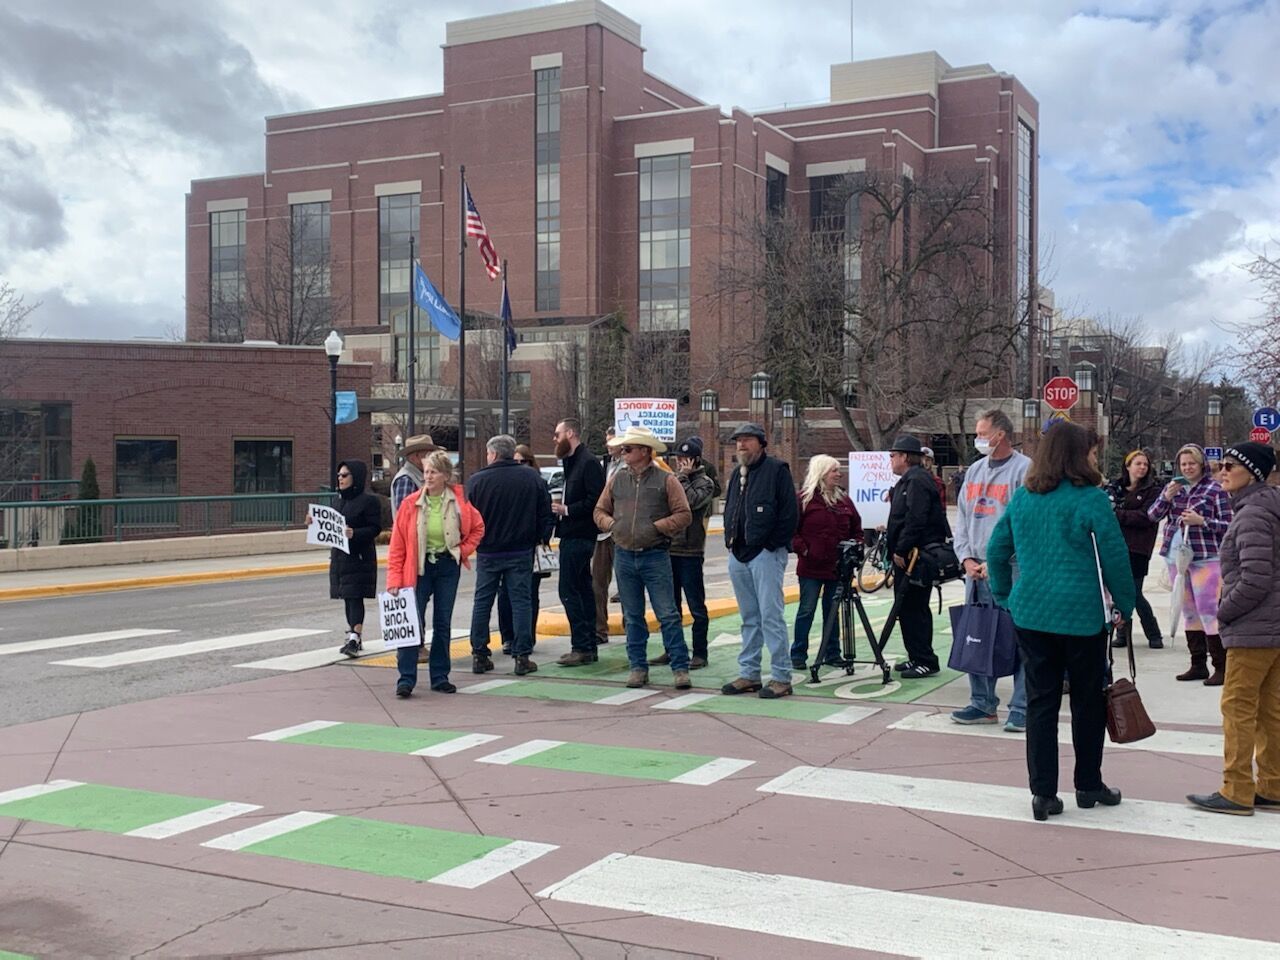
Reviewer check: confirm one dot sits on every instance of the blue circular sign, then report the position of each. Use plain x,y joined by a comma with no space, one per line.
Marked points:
1267,417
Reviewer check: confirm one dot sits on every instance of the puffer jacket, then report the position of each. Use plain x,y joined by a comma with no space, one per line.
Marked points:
1249,605
355,575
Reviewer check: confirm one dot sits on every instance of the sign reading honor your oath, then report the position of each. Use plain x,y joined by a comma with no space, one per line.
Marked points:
398,614
326,527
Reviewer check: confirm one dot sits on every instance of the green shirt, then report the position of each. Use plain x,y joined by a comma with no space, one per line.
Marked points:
435,523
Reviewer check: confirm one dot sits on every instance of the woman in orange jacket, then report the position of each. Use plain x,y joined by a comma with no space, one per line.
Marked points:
435,533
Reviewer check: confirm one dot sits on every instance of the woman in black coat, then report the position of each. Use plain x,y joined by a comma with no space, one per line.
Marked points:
353,577
1131,494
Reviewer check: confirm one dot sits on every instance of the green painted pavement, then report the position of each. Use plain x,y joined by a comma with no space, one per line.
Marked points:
553,690
6,955
91,806
616,761
371,736
378,847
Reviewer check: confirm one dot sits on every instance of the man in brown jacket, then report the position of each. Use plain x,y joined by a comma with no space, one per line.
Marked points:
644,507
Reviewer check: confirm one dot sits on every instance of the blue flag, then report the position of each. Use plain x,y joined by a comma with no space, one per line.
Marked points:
347,407
436,307
510,330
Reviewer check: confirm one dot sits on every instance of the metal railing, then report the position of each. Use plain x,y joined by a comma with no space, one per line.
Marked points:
48,523
23,491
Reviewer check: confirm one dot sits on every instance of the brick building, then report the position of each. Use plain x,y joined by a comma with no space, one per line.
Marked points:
608,189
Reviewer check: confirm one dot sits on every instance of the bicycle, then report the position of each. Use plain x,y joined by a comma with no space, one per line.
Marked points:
877,569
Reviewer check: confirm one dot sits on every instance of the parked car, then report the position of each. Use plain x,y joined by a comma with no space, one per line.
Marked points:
554,476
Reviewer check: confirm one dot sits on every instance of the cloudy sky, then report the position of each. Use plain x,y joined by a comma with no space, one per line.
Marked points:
1160,123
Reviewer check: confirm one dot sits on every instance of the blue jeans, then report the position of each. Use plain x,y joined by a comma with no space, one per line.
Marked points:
438,580
637,571
982,690
758,588
516,573
809,591
686,574
576,592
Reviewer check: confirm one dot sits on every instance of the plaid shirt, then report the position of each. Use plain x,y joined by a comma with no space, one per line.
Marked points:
1206,498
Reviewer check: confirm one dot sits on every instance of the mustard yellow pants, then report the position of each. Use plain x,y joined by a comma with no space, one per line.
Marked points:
1251,724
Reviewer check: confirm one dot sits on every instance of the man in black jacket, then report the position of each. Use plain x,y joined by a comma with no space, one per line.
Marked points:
516,507
916,518
583,483
760,515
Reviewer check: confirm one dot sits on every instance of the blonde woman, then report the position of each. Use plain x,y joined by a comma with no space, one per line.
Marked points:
827,516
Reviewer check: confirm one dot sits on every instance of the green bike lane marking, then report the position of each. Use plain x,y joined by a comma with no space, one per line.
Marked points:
386,849
134,813
555,690
6,955
379,738
631,762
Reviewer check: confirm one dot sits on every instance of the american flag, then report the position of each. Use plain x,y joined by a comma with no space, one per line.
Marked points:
475,228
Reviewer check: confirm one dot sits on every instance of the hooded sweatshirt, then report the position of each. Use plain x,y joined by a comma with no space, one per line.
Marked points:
1249,608
988,487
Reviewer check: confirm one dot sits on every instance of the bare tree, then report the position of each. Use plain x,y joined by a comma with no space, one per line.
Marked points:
17,429
1256,357
885,300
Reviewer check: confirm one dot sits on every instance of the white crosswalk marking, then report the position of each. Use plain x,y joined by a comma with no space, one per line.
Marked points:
192,821
169,651
267,831
298,661
494,864
57,643
912,924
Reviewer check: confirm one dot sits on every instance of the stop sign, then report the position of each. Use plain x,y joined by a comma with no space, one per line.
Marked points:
1260,435
1061,393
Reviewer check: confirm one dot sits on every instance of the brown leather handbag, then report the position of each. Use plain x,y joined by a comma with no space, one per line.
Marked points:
1127,718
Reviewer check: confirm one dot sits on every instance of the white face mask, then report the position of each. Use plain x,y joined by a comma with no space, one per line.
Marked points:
983,445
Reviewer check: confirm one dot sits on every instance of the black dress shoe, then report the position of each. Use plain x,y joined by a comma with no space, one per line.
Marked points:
1217,803
1042,808
445,687
403,690
1155,643
1107,796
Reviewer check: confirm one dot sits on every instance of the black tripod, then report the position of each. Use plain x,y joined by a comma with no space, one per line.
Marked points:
845,601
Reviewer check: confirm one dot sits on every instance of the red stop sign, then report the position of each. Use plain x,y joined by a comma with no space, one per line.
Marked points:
1260,435
1061,393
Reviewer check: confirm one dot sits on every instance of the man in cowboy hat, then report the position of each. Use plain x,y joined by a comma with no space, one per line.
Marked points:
408,480
644,507
915,519
760,516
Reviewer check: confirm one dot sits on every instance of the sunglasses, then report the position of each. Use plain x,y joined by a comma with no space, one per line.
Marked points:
343,475
628,449
1229,466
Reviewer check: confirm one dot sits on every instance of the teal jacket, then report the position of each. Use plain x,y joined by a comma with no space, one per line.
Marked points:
1057,589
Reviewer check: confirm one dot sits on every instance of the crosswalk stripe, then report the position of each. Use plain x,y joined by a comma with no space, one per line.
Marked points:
850,715
284,733
456,745
520,751
298,661
1164,741
57,643
713,771
486,686
685,700
1152,818
37,790
881,921
493,864
169,651
192,821
267,831
626,696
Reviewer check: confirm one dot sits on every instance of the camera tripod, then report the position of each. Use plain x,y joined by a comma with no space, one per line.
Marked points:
843,605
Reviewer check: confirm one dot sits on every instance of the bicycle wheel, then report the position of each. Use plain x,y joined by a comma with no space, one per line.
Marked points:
873,574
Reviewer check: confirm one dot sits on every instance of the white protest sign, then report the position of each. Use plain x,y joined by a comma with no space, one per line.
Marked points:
870,480
399,618
328,528
657,414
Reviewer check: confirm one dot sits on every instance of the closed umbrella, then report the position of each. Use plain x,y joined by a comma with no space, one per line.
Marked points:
1182,554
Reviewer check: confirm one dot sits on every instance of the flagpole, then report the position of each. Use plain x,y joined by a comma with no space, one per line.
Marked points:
506,352
462,318
411,360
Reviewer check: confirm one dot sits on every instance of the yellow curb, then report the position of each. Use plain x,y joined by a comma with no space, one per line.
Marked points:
557,624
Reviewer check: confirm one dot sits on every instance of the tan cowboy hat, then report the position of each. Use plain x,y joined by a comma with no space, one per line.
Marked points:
419,444
638,437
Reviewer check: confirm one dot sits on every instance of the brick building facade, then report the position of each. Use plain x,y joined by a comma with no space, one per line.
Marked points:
611,192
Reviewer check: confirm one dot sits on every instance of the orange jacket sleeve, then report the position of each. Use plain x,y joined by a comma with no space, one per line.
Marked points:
472,529
401,529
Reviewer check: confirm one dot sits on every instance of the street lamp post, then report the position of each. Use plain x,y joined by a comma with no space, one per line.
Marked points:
333,350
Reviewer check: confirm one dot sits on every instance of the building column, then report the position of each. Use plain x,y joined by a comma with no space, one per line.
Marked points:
790,434
709,428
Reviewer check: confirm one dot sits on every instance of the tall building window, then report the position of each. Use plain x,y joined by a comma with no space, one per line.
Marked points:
547,186
775,192
262,466
1026,142
664,242
835,212
226,276
309,255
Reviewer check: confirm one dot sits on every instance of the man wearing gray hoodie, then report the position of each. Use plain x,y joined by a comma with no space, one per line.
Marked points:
989,484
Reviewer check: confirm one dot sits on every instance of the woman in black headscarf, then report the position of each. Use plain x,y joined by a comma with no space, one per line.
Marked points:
353,577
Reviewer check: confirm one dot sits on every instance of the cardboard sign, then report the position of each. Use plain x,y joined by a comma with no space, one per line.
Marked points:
656,414
870,480
398,616
328,528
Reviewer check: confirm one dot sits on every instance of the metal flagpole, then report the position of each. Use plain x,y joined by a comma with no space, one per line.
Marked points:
462,319
411,359
506,353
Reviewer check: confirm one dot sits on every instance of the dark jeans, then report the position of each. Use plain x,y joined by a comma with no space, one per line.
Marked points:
1045,656
438,581
809,592
1150,625
516,574
638,572
686,579
506,629
915,620
576,592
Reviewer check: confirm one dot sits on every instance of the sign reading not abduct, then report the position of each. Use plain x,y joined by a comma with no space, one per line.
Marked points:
328,528
399,618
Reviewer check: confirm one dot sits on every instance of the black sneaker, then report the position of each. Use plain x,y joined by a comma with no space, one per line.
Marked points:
481,664
918,670
904,666
403,690
1155,643
445,687
352,647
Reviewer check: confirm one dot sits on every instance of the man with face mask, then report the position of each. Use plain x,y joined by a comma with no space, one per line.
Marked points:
988,486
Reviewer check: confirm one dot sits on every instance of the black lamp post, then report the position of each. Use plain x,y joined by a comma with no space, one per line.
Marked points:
333,349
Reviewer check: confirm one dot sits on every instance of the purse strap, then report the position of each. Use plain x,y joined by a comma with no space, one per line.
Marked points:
1102,592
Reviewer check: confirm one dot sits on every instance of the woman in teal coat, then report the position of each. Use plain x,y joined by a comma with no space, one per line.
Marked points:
1052,525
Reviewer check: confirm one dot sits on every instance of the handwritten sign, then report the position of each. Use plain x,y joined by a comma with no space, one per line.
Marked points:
399,618
656,414
870,480
328,528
